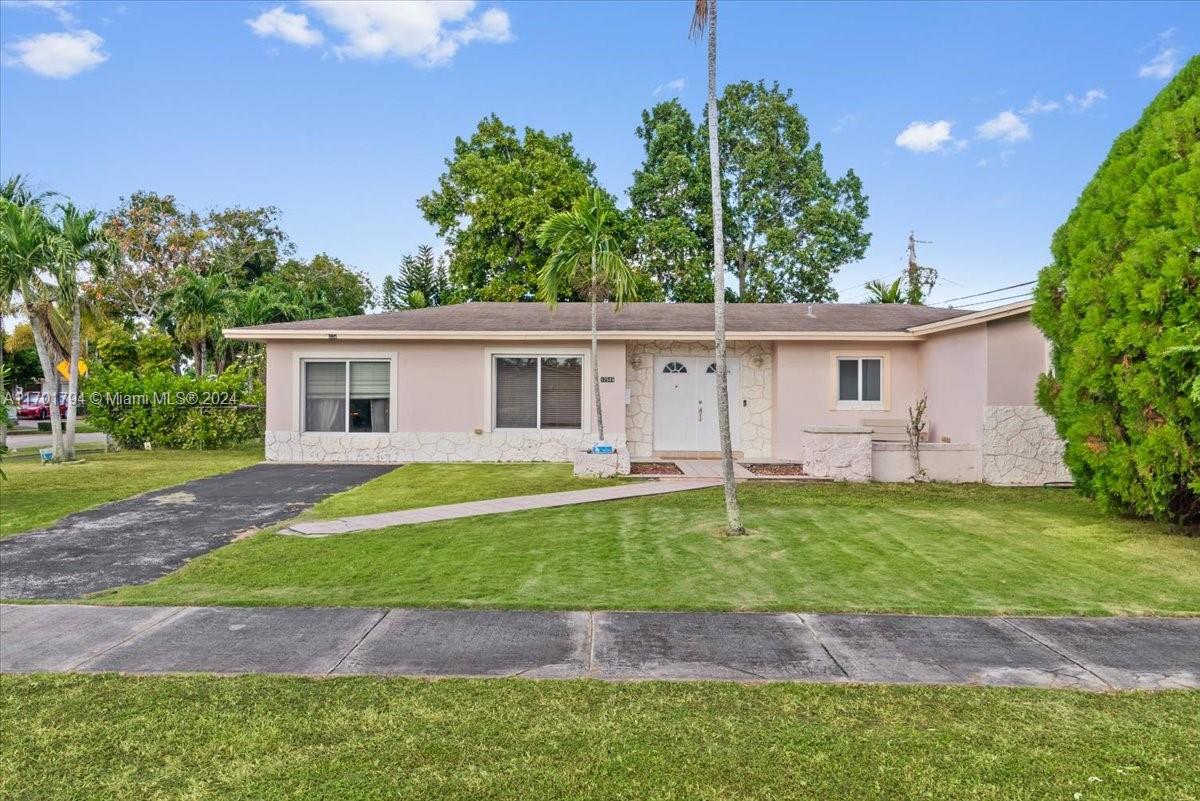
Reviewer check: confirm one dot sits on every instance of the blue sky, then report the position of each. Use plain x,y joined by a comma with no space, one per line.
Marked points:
974,124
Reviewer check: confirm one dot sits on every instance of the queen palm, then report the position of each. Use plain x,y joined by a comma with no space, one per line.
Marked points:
199,304
584,250
29,251
882,292
705,17
84,247
16,190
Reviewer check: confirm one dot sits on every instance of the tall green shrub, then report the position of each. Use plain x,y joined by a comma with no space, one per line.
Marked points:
173,411
1121,305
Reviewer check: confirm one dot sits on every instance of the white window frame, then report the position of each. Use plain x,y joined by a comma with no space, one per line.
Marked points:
346,360
490,356
885,381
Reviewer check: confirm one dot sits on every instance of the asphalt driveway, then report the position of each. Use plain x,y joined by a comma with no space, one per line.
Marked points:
145,537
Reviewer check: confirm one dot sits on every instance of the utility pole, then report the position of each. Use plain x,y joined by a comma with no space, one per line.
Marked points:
916,276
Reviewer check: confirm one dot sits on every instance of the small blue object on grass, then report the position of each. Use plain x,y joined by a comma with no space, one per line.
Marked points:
47,455
603,447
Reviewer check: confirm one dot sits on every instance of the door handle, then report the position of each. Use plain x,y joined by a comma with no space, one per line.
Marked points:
700,411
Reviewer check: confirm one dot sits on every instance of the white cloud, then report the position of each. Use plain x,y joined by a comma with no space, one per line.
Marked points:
1090,98
57,55
844,122
282,24
61,9
926,137
1166,62
425,32
1161,66
1038,107
1006,126
673,86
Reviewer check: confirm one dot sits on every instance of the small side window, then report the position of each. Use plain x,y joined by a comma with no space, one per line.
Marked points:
674,367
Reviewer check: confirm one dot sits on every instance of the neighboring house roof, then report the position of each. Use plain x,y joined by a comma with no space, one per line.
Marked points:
632,321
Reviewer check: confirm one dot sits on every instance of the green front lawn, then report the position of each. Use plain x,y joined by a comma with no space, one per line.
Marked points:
418,485
36,495
932,549
266,738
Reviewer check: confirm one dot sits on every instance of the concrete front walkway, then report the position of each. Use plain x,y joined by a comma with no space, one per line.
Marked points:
1077,653
428,514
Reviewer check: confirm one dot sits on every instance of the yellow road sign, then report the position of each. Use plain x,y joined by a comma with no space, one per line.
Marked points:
64,369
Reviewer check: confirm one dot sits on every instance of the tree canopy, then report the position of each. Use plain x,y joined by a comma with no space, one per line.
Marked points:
1121,305
498,188
789,226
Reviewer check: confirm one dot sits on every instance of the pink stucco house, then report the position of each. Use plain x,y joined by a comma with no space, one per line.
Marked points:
827,385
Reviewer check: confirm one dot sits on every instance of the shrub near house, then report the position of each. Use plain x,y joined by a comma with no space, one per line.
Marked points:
1121,306
172,411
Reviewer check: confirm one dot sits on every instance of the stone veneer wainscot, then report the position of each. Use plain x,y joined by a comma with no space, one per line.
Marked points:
430,446
1021,447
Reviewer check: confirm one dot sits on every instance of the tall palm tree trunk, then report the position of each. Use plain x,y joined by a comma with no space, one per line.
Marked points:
732,512
72,383
41,341
3,391
595,357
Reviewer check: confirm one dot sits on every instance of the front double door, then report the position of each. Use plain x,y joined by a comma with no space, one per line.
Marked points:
685,403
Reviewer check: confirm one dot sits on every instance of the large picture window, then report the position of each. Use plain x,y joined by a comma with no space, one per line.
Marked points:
539,392
860,382
347,396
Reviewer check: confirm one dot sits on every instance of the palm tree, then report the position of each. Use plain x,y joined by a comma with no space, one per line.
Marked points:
199,304
705,16
882,292
582,239
84,247
29,249
16,190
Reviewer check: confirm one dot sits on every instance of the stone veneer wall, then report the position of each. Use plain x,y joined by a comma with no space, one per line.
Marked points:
838,452
453,446
756,384
1020,446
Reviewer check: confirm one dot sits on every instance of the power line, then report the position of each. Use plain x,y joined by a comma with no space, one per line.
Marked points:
999,300
989,292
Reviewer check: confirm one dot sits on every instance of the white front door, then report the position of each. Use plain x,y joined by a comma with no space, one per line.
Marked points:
685,403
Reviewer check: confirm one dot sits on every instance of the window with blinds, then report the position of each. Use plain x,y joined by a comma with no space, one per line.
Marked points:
539,392
347,396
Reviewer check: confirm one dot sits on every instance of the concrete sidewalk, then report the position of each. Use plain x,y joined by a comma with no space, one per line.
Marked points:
1078,653
519,503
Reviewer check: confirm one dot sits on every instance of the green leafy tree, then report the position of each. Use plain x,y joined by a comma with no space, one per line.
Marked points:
246,244
21,356
324,287
156,351
788,225
498,189
157,239
1120,304
671,228
389,294
584,251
